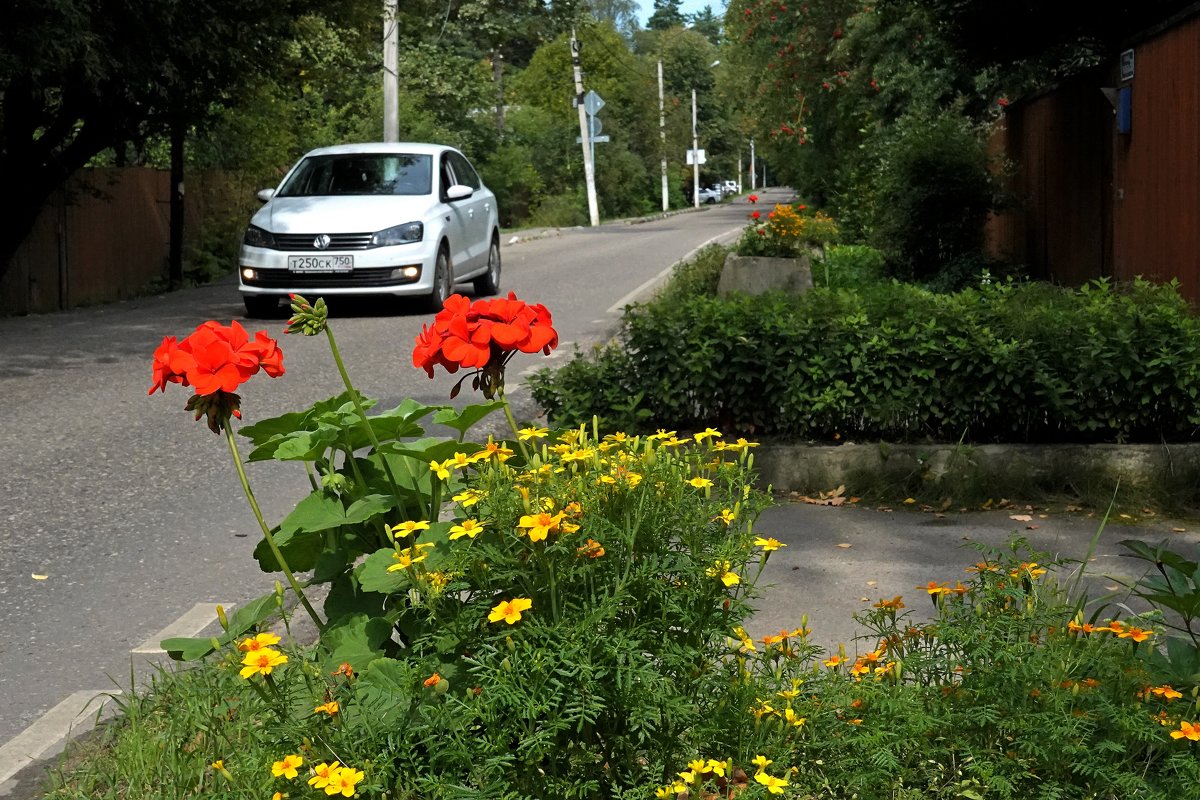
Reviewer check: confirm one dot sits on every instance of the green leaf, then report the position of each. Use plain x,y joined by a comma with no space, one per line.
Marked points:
464,420
188,648
384,691
261,432
356,640
346,597
320,512
373,576
301,549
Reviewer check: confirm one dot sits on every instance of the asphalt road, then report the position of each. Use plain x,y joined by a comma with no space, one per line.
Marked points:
132,511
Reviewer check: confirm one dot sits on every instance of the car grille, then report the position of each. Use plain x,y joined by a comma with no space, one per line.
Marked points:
366,277
303,242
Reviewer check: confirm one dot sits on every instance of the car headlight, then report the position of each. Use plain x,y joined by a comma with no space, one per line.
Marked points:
257,237
407,233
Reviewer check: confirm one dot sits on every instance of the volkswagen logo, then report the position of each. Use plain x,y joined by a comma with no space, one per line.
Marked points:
321,242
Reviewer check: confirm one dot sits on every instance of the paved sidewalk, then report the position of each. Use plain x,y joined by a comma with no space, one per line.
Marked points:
892,552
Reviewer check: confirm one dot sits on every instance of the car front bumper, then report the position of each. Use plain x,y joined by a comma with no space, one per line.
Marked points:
405,269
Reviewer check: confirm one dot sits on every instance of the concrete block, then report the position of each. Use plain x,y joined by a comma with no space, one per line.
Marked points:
758,274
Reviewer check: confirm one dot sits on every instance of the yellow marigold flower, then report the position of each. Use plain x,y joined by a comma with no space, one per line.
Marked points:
774,785
525,434
661,434
277,796
895,604
934,588
716,767
833,662
581,454
708,433
1187,730
408,528
287,767
219,764
258,642
698,766
1028,569
742,444
438,580
776,638
460,460
727,516
441,468
331,708
495,450
619,437
591,549
1166,692
789,694
510,610
468,497
343,782
409,556
768,544
675,441
468,527
700,483
762,709
762,762
539,526
747,642
1137,634
607,479
860,668
722,570
322,773
261,662
793,719
665,792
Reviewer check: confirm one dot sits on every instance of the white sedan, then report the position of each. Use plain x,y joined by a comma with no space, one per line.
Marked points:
397,219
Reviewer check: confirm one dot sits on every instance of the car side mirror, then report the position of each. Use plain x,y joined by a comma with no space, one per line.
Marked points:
264,194
459,191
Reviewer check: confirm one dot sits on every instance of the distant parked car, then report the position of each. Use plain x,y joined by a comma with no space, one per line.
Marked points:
710,194
398,219
731,187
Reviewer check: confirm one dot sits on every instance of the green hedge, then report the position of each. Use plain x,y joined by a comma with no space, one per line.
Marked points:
1012,362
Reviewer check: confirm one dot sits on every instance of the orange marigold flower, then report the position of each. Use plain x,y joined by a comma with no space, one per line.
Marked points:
1187,730
1166,692
432,680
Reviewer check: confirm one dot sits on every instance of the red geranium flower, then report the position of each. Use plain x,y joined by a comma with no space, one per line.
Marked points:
754,214
753,198
483,335
215,360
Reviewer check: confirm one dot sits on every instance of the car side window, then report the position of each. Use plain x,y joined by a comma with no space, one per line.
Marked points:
464,172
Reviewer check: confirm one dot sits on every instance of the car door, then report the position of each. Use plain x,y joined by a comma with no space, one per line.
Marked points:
478,208
454,215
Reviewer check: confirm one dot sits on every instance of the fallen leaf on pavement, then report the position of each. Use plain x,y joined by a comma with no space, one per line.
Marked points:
908,501
872,583
1178,530
1020,517
1112,588
37,577
1032,527
835,497
845,545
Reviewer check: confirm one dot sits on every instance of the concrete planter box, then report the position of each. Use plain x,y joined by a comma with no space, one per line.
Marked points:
810,468
757,274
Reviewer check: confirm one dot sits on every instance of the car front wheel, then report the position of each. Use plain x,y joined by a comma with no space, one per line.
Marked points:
489,282
443,284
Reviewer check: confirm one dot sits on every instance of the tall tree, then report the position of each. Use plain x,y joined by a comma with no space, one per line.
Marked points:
80,76
666,15
707,24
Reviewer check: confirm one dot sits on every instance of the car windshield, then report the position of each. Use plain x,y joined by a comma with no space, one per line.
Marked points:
361,174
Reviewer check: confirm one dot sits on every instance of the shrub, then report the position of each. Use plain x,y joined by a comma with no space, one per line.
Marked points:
934,193
848,266
1004,362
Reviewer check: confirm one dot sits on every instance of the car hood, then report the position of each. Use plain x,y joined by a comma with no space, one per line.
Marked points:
340,214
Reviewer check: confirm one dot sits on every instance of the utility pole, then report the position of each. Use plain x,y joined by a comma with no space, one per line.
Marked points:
695,157
585,135
739,182
662,135
498,80
753,173
391,76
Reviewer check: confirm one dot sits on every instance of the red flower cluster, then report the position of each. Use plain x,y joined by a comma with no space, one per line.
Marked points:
483,335
753,198
755,215
215,358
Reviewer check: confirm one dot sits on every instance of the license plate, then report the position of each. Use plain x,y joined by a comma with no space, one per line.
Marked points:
320,263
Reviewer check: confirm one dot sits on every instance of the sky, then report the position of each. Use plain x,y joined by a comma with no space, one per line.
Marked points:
687,7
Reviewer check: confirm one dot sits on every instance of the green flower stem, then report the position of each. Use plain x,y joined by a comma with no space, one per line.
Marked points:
362,412
262,523
512,422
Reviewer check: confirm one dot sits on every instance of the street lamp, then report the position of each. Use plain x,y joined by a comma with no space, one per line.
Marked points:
696,149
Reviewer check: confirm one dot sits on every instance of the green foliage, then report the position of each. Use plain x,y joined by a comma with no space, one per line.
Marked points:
935,192
849,266
1005,362
1173,585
